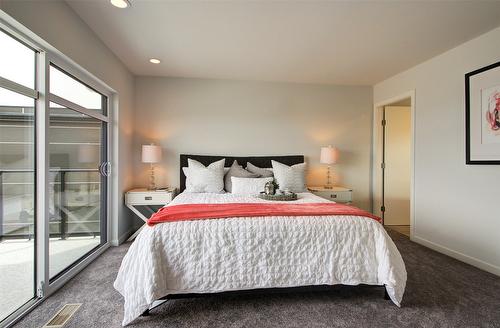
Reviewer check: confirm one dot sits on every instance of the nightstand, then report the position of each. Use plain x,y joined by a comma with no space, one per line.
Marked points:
145,202
336,194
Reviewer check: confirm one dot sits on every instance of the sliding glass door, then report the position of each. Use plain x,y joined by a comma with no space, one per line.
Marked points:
17,174
78,169
54,171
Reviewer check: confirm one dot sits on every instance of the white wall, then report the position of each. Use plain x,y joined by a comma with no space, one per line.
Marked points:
56,23
221,117
456,205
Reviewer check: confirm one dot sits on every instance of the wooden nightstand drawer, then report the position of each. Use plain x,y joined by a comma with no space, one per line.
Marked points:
149,197
336,194
340,197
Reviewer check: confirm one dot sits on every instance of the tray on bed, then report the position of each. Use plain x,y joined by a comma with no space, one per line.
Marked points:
280,197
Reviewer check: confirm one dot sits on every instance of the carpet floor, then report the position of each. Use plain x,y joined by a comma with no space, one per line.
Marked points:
441,292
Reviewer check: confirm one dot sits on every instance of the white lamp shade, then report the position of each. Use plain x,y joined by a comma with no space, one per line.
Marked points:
329,155
151,154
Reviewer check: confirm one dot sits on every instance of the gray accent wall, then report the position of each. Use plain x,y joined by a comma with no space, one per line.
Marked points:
222,117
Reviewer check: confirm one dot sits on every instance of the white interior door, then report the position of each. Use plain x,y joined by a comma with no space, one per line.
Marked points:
397,165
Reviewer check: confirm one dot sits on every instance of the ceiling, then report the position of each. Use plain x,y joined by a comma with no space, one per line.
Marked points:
334,42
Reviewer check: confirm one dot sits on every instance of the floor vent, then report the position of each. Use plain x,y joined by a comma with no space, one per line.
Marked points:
62,316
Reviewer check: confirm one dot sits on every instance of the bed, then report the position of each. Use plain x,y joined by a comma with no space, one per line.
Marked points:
247,253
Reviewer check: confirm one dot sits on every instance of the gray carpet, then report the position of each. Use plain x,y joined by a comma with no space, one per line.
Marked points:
441,292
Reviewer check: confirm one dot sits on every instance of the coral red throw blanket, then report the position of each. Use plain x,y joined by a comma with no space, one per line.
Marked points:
188,212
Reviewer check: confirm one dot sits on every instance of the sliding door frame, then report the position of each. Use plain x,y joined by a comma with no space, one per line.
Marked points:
46,55
35,95
61,278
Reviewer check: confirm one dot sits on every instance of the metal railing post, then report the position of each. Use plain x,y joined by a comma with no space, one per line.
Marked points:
62,205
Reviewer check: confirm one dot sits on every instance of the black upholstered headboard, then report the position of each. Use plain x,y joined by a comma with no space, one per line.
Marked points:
260,161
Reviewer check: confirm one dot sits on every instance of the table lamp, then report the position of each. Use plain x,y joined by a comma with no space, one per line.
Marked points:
329,156
151,154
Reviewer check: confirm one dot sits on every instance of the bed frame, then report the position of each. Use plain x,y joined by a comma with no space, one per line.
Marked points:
257,291
263,162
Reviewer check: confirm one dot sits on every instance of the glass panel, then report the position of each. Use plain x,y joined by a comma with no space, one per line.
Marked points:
67,87
18,62
15,100
76,187
17,178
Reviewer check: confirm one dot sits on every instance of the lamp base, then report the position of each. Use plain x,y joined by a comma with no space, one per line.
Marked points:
152,184
328,184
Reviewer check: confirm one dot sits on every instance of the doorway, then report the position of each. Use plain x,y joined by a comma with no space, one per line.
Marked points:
393,163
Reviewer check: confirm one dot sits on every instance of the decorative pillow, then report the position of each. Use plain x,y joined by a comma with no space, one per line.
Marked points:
236,171
291,178
264,173
249,186
186,170
204,179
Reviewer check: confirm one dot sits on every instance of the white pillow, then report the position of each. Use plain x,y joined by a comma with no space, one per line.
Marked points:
248,186
292,178
186,170
208,179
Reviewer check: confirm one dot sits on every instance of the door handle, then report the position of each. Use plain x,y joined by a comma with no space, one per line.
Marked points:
101,168
105,169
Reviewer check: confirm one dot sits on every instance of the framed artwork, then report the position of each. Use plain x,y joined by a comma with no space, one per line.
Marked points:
482,115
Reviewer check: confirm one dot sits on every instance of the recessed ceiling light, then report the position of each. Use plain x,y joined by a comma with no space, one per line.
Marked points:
121,3
154,61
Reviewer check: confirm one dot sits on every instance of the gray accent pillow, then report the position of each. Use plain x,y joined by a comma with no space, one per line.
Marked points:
201,178
236,171
264,173
291,178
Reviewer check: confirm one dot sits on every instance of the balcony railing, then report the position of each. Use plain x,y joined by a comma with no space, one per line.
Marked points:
77,215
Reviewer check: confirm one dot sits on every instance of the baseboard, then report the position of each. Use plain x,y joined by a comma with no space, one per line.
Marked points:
457,255
123,237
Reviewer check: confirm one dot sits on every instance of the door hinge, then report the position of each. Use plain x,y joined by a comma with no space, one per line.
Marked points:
382,208
40,289
384,122
382,165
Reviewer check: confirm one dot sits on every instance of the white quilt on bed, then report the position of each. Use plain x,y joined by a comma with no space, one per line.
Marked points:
245,253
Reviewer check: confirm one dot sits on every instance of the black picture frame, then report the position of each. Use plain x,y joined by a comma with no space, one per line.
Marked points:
468,159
